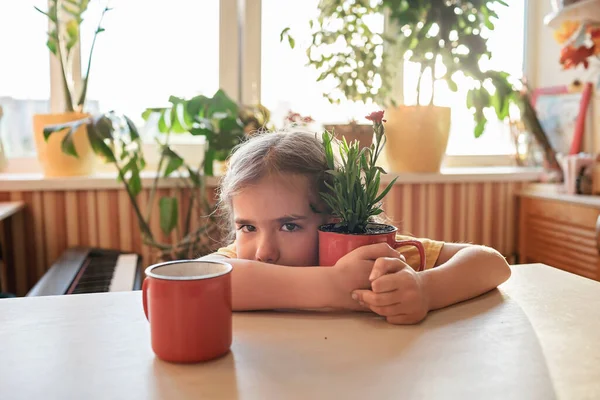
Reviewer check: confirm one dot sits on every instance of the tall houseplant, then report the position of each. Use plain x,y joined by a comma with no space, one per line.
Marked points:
354,198
219,119
115,139
65,18
443,37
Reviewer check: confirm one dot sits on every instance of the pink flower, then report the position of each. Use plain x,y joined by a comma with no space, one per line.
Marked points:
376,116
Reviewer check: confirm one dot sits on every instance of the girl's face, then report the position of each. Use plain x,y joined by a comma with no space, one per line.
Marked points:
275,222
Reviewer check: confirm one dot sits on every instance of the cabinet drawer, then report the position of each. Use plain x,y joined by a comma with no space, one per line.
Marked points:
559,234
572,214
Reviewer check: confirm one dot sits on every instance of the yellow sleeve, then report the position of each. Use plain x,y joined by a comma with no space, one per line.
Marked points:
432,251
229,251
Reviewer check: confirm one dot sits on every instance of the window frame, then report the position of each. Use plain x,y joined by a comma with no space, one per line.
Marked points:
240,45
252,79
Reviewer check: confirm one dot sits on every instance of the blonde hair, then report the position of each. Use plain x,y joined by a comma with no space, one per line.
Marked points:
280,152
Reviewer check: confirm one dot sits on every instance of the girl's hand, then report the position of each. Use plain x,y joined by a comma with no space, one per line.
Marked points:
397,292
352,272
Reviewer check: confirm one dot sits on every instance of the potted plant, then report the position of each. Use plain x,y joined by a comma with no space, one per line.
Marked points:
354,199
115,139
432,34
65,18
222,122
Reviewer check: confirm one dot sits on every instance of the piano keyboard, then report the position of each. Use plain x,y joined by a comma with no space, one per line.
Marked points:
91,270
112,273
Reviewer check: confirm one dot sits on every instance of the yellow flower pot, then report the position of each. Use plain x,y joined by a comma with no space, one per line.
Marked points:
417,137
53,160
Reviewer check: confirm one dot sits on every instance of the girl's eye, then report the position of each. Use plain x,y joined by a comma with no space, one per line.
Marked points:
247,228
290,227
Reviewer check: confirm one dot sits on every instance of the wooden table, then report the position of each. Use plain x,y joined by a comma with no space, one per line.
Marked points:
7,272
534,338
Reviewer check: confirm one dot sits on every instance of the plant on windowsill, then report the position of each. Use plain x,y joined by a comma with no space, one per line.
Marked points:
222,122
354,199
445,38
65,18
192,222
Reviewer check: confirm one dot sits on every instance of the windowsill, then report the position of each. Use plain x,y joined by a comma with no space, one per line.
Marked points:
107,180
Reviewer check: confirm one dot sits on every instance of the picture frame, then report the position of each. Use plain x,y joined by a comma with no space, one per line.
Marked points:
563,112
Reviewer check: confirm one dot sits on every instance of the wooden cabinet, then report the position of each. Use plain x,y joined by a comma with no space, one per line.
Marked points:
560,230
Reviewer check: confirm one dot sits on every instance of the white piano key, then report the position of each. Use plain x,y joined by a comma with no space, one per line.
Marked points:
124,275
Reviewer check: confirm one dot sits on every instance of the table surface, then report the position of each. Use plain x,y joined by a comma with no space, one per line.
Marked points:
536,337
8,208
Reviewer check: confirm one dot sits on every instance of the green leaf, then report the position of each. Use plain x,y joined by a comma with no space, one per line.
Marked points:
169,214
72,28
221,103
50,129
133,132
67,144
135,183
149,111
52,45
50,15
452,85
174,161
479,128
103,127
195,107
176,126
162,123
202,131
284,33
292,42
385,191
99,145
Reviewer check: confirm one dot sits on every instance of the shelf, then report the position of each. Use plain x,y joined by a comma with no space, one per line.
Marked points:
588,10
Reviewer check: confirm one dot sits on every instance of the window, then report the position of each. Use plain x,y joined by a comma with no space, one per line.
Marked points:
286,82
171,48
506,42
153,49
24,73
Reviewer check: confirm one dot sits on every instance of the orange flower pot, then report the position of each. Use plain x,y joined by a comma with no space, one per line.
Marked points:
53,160
417,137
351,132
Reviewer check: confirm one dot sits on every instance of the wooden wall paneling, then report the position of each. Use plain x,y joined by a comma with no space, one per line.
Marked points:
90,219
432,211
37,208
407,210
19,247
509,231
72,226
448,213
486,214
145,251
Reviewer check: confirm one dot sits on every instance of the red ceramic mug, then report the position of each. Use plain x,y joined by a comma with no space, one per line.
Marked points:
333,245
188,305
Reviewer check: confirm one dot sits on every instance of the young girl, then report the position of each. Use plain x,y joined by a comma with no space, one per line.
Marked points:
270,195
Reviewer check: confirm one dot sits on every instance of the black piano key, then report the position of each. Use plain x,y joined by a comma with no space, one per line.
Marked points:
97,275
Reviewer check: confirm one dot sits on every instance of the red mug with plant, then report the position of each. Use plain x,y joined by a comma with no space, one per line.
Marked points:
354,199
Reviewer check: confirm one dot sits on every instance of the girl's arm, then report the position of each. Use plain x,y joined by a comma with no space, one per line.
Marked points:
259,286
463,272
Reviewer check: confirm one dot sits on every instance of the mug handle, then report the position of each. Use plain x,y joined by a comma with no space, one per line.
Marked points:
418,245
145,296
